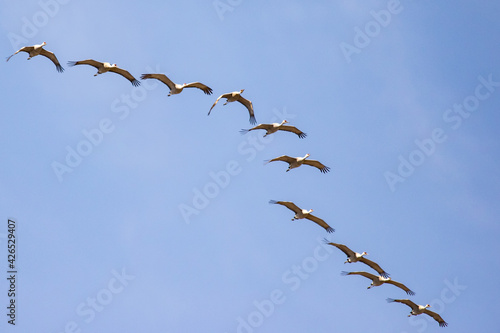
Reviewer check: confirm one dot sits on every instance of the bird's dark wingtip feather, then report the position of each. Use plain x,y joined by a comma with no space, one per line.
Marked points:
244,131
59,68
208,91
384,274
136,83
72,63
410,292
326,241
390,300
330,230
302,135
253,121
273,201
344,273
325,170
143,76
443,324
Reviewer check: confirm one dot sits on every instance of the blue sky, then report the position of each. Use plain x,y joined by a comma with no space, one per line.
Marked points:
405,119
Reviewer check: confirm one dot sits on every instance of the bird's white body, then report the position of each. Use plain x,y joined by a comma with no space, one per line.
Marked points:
355,257
105,67
37,49
418,310
298,162
275,128
302,214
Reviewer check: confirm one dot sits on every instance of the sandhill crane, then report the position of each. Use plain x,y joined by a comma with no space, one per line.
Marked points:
177,88
38,49
295,162
103,67
419,309
303,214
275,127
235,96
380,280
355,257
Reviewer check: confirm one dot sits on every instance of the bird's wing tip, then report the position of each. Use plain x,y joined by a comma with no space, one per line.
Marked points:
72,63
344,273
136,83
390,300
273,201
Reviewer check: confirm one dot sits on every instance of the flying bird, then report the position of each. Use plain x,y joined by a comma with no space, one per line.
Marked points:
103,67
235,96
355,257
177,88
419,309
295,162
380,280
38,49
303,214
275,127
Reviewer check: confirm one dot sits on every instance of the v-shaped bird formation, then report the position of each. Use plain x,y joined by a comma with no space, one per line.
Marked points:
382,276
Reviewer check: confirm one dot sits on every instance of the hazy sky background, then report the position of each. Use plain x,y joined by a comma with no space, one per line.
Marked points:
124,241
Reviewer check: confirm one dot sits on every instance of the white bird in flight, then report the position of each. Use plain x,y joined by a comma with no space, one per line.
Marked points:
103,67
303,214
235,96
355,257
38,49
275,127
295,162
380,280
419,309
177,88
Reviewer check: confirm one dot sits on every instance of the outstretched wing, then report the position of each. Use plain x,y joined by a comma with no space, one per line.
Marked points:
348,252
288,204
260,126
53,58
375,266
316,164
217,100
90,62
22,49
320,222
436,317
365,274
400,285
293,130
412,305
126,75
249,106
206,89
162,77
283,158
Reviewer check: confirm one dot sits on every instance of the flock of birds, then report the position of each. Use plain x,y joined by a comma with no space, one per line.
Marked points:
293,162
